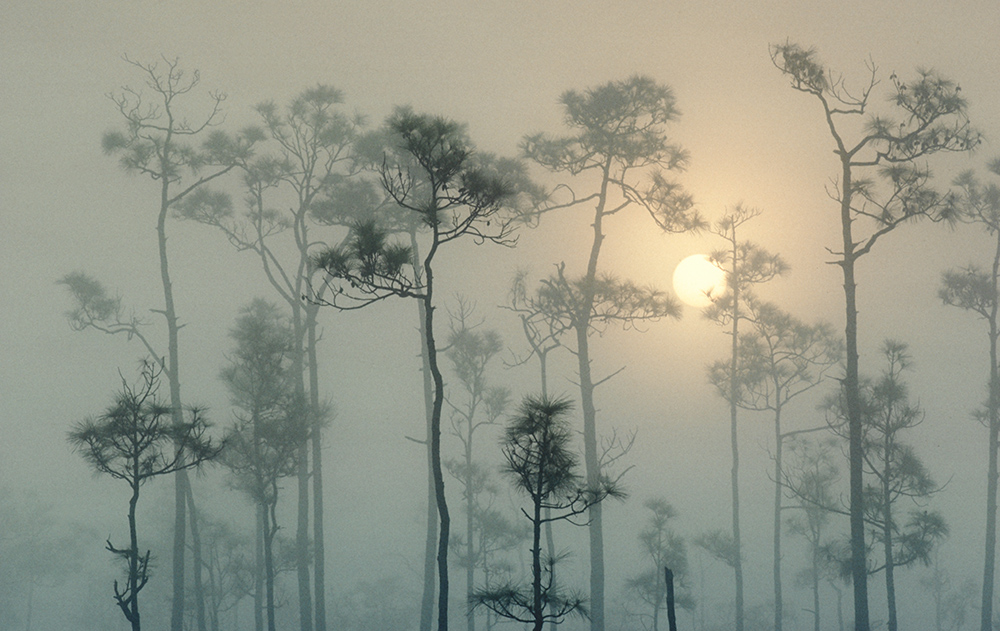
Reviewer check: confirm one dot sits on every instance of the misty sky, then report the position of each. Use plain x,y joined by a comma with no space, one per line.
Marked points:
499,67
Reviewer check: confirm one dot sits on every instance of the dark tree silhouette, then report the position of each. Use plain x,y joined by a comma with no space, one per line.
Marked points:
455,194
883,183
536,448
618,142
135,440
976,289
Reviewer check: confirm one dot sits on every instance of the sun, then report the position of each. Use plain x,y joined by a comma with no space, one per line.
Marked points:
698,281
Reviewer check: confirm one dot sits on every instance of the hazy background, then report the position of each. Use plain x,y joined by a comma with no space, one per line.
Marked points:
500,67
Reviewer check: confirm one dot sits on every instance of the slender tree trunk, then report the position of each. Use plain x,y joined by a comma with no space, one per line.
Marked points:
470,567
733,413
172,369
430,542
133,562
890,571
550,542
271,530
852,392
591,459
537,606
444,519
258,574
319,548
778,605
815,582
992,474
196,563
302,518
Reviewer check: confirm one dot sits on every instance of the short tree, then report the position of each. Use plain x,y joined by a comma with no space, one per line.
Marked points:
929,116
264,443
897,474
136,440
474,404
541,465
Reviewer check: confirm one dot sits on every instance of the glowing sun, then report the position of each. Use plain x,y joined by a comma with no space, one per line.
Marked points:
697,281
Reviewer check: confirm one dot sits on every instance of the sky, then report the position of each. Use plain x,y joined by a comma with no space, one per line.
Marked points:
499,67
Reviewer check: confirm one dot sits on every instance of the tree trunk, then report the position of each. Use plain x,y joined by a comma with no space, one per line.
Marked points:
258,574
444,518
271,529
993,412
132,604
430,542
172,369
852,393
196,564
671,613
319,549
591,460
890,575
778,605
302,519
733,413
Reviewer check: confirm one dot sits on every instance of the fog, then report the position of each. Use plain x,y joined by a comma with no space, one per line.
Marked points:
499,68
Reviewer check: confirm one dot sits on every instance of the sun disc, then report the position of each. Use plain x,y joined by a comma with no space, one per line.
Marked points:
698,281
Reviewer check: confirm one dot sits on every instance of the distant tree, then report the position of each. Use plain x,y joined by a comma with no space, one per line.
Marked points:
976,289
662,548
779,358
474,404
38,549
539,461
136,440
617,143
810,475
883,183
308,166
455,194
264,444
229,568
746,264
158,141
897,474
374,606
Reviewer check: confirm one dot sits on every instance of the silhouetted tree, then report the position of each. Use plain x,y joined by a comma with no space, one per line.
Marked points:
883,183
454,193
536,448
135,440
617,142
746,264
158,141
976,289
